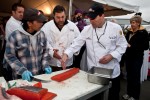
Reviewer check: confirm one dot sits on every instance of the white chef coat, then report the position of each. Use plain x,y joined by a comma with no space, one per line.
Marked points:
12,25
60,39
112,39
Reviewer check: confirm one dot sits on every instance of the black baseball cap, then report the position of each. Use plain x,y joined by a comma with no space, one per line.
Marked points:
32,14
95,10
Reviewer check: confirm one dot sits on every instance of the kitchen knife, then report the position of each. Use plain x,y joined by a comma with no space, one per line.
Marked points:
31,88
4,93
39,80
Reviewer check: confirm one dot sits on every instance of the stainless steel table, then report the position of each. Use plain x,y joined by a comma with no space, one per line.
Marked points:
74,88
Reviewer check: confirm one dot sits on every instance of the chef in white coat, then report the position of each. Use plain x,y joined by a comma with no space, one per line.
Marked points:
15,20
60,34
105,46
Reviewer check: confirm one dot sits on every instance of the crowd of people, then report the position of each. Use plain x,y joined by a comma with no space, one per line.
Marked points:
33,45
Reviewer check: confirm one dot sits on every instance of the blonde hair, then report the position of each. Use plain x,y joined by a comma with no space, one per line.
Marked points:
136,18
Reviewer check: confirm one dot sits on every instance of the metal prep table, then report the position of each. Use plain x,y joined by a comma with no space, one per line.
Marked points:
74,88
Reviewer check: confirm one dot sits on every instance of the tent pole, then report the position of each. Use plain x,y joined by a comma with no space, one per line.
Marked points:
70,9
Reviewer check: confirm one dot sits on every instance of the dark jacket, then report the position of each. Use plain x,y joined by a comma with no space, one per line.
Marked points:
81,24
139,42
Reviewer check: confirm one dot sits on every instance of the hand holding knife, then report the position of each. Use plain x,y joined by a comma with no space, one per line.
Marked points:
39,80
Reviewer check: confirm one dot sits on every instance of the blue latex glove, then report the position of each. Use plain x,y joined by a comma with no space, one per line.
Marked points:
48,70
26,75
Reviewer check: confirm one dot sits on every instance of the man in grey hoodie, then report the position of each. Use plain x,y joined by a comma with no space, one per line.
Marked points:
26,50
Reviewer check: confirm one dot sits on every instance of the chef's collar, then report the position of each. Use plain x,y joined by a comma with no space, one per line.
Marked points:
103,25
66,22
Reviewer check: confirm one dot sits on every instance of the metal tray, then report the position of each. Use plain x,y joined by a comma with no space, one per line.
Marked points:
99,75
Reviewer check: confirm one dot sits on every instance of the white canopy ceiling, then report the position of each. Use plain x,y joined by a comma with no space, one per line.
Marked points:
112,7
131,5
144,7
48,5
119,4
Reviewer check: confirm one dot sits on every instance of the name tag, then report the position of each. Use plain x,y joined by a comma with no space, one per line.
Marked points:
72,30
112,37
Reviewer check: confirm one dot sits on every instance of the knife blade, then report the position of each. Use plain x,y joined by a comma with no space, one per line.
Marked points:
4,93
31,88
39,80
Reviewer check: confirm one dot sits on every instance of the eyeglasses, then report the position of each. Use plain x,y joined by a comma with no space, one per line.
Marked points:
98,38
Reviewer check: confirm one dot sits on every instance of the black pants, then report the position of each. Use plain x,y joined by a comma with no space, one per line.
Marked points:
133,68
77,58
7,72
115,89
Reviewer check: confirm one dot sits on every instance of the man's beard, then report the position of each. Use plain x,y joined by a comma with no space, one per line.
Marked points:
61,23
